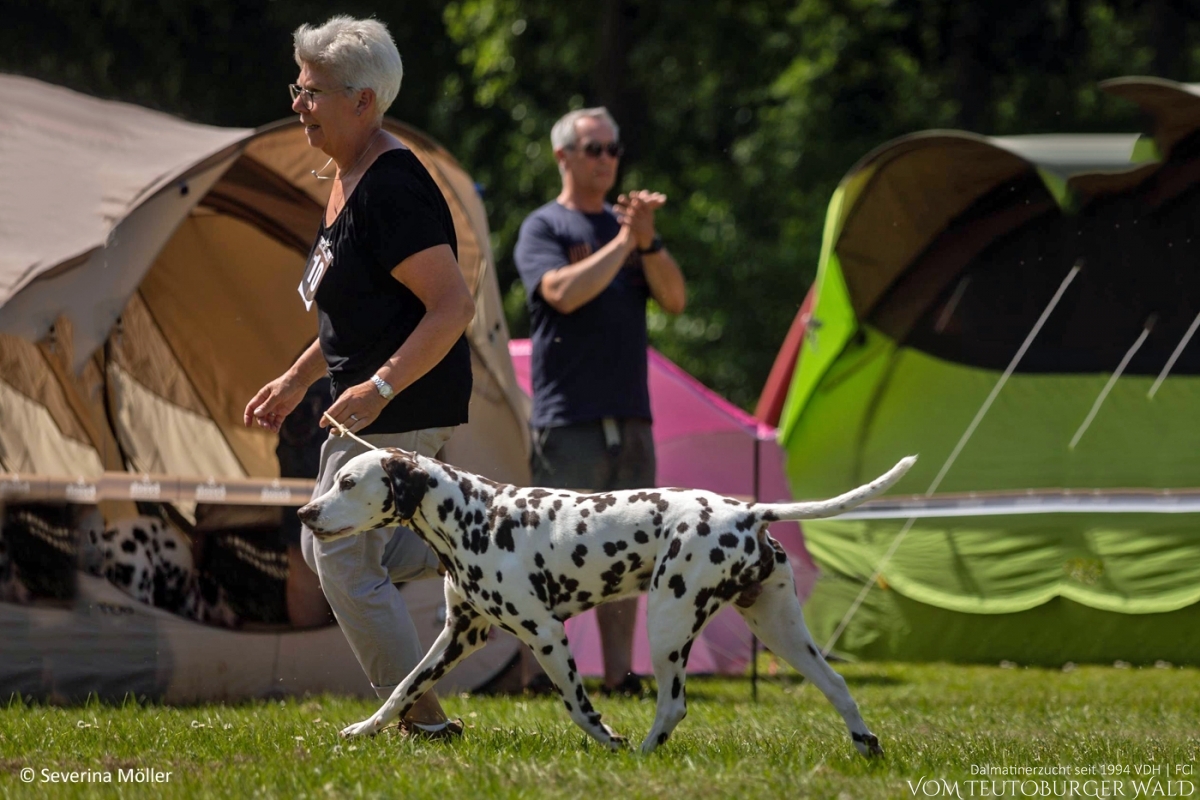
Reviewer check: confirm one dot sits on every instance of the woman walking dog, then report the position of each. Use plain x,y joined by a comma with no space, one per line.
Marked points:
392,307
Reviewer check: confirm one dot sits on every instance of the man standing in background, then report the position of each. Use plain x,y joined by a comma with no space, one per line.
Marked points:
588,268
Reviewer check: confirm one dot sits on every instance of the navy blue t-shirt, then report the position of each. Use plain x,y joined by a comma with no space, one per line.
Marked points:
591,363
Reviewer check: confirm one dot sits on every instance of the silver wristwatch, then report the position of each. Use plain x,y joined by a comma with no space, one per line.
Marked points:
383,387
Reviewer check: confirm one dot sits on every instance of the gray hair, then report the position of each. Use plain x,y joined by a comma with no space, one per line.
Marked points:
564,135
357,53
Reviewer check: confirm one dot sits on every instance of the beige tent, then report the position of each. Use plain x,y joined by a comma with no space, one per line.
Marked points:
148,289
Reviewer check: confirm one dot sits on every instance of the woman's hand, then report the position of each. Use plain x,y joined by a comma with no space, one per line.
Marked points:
357,407
273,403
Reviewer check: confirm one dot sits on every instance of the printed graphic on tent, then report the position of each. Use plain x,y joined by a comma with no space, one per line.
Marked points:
940,251
702,442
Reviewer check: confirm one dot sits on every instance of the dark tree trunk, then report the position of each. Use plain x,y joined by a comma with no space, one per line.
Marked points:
972,84
611,76
1168,37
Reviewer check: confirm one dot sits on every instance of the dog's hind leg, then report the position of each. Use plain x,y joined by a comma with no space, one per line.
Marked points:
775,617
670,626
465,632
548,641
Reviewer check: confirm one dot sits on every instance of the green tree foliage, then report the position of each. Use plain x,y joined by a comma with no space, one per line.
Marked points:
745,112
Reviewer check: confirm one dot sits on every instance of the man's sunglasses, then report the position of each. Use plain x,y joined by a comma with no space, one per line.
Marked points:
594,149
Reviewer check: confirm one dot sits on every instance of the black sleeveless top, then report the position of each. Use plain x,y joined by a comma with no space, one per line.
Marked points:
365,314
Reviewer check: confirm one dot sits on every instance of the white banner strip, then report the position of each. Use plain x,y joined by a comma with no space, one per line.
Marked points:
1113,501
155,488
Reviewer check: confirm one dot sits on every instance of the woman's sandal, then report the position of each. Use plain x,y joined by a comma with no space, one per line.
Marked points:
450,729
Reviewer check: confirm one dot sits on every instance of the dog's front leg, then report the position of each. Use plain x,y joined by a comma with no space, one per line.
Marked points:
549,644
465,632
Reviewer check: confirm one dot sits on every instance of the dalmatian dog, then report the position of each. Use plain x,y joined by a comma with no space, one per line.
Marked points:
152,563
526,559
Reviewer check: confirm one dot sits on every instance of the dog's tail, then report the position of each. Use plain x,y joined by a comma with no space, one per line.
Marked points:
842,503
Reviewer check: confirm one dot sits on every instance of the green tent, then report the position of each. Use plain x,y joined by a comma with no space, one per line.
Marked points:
941,251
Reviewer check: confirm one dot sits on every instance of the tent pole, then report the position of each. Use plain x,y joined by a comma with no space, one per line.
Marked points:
753,638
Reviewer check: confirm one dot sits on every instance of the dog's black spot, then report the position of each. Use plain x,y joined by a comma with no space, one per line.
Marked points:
728,540
702,529
577,556
641,537
121,574
674,656
511,609
676,688
682,527
128,546
581,528
504,535
673,550
538,560
749,545
548,649
678,585
499,576
530,626
747,522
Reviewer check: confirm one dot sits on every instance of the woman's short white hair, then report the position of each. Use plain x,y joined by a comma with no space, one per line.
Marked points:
564,135
357,53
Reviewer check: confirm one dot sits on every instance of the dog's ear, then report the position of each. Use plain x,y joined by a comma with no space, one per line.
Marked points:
407,481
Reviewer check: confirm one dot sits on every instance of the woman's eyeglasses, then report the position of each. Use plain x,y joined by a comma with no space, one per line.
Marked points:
594,149
309,95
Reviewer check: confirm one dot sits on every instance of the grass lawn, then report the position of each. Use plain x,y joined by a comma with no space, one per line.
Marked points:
934,721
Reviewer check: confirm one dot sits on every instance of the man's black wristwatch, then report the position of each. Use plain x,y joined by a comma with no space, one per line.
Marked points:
656,244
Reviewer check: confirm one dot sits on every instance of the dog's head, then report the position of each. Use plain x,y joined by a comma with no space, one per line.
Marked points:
377,489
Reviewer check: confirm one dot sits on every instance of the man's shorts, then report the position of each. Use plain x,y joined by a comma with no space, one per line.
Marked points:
584,456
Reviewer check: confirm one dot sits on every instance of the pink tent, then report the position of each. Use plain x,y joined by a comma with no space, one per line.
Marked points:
702,442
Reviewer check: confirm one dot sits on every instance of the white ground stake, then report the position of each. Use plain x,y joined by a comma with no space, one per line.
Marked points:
1112,381
1162,376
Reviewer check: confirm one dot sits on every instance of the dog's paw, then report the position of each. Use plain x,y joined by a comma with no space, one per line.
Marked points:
368,727
616,741
867,744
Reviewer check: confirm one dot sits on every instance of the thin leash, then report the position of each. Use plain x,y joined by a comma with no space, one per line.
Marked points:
342,430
